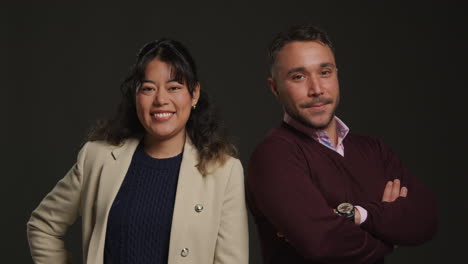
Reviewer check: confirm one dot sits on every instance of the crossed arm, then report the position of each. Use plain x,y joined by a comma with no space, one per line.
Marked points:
391,192
297,208
405,219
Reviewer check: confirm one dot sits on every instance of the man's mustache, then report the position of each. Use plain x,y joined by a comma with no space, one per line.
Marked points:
316,101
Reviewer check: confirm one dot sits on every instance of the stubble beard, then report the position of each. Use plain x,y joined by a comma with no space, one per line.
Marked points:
308,123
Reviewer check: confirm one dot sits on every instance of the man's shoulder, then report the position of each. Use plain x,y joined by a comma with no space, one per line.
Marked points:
364,141
362,138
279,141
281,135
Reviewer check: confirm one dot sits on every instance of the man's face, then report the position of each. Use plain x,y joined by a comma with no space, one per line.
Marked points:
305,81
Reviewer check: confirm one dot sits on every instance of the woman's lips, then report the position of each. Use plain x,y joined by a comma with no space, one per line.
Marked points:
162,116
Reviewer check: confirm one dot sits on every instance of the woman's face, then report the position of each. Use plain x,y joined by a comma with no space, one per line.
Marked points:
163,105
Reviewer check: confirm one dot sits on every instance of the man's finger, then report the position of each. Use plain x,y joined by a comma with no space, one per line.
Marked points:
387,192
404,191
279,234
395,190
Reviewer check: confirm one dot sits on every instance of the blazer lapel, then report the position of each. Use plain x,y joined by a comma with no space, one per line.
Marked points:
112,175
188,176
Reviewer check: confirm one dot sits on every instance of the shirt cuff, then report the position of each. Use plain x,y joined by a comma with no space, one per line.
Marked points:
362,212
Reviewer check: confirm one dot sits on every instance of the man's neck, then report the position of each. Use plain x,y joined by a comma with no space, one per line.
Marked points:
331,131
331,136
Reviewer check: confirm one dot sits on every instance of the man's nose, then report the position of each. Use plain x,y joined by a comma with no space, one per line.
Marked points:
315,86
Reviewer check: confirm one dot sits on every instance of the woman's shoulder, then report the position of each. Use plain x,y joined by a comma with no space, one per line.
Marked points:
99,148
230,160
228,166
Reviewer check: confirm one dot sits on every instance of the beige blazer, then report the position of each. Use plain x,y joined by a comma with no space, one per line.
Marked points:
216,234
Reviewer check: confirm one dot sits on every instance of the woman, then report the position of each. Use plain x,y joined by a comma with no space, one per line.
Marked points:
156,184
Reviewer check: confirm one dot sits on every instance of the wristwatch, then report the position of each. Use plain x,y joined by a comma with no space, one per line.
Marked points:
346,210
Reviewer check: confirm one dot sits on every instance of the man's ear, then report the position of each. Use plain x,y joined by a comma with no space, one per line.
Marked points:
196,94
273,87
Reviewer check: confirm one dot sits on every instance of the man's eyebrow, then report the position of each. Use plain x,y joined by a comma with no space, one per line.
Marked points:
148,81
294,70
302,69
327,64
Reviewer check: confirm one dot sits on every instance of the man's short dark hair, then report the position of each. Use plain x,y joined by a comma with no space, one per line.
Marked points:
296,33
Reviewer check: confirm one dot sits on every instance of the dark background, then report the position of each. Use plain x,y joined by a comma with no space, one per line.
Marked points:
402,76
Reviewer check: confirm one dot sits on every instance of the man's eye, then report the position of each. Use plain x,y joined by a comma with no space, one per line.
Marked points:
298,77
326,73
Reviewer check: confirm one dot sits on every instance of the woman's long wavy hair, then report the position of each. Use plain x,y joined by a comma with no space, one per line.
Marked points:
203,127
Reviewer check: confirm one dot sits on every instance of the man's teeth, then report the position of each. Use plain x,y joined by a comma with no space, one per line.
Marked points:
162,114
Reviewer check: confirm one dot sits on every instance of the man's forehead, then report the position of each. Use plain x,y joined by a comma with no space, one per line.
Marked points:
305,54
305,50
302,43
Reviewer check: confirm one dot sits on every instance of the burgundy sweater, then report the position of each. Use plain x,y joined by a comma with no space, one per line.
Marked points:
294,183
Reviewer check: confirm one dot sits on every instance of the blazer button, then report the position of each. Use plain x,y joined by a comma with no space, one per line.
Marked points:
184,252
198,208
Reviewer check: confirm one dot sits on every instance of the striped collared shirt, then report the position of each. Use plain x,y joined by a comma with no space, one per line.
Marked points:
321,135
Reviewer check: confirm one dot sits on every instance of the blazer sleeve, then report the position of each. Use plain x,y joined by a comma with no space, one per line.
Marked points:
407,221
56,212
281,191
232,245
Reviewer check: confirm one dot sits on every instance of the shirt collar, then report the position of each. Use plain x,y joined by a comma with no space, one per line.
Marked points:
318,134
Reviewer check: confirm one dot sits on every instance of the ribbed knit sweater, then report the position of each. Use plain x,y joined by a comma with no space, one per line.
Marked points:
139,223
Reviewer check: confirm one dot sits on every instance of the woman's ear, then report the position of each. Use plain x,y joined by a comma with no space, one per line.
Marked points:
196,94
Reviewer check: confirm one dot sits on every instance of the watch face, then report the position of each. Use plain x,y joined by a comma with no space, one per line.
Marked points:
345,208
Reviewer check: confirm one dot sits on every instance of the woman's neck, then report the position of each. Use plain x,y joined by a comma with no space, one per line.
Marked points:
164,148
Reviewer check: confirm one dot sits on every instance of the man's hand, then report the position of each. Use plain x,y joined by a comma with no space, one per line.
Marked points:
392,191
279,234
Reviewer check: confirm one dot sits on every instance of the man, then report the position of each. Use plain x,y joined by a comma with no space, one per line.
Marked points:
320,194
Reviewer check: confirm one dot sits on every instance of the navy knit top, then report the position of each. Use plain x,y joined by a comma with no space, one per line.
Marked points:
139,223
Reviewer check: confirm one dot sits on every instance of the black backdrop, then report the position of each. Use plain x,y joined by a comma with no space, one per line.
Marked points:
402,77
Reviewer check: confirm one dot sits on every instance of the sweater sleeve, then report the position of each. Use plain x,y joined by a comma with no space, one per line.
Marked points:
50,220
407,221
280,188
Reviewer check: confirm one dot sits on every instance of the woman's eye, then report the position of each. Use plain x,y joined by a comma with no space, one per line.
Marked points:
174,88
147,90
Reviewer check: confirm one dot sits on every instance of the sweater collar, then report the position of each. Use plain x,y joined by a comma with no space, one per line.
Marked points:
321,135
